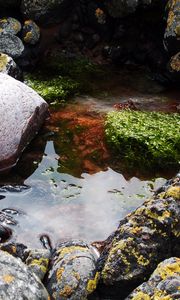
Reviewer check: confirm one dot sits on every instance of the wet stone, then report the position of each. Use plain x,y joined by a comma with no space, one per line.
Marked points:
164,283
31,32
9,25
143,239
21,118
9,67
11,45
5,233
72,275
38,261
15,249
17,281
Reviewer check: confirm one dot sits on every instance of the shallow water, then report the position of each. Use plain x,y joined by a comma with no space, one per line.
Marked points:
67,183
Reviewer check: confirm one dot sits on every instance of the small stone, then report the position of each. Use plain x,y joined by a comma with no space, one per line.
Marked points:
31,32
11,45
9,67
10,25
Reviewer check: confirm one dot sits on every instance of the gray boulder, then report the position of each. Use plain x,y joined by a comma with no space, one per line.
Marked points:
45,11
11,45
164,283
22,112
73,274
17,281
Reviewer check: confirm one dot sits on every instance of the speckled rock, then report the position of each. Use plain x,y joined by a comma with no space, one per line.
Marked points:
17,281
22,112
174,67
38,261
143,239
31,32
122,8
9,25
164,283
9,67
72,275
11,45
172,33
45,11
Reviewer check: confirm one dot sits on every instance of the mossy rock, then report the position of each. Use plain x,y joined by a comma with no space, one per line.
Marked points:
147,139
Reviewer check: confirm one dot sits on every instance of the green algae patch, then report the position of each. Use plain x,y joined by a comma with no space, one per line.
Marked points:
145,138
52,89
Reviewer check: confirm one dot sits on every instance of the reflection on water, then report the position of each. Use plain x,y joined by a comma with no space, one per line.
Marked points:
64,206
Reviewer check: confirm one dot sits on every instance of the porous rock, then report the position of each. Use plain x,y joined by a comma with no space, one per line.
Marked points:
45,11
164,283
17,281
9,67
22,112
72,275
143,239
11,45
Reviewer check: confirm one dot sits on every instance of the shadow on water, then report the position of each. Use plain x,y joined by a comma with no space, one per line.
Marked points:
67,183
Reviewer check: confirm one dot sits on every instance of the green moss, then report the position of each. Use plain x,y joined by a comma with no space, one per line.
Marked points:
52,89
145,138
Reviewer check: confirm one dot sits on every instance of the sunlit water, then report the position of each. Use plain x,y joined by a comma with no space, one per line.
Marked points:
67,207
72,189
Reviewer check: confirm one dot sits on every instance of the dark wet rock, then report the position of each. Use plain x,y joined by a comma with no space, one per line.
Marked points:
122,8
21,118
163,284
172,33
11,45
143,239
38,261
5,218
5,233
9,67
9,25
14,188
72,275
29,58
17,281
46,11
9,3
15,249
31,32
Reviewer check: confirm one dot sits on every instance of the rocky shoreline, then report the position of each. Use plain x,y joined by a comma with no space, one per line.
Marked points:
106,270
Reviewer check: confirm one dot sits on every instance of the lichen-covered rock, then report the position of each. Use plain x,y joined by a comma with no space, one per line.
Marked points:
38,261
143,239
11,45
17,281
122,8
174,67
31,32
172,33
9,25
45,11
72,275
9,67
22,112
164,283
15,249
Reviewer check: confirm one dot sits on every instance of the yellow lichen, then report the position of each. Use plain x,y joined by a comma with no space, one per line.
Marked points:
168,270
173,191
8,278
66,250
42,263
141,296
66,292
28,37
59,273
3,61
92,283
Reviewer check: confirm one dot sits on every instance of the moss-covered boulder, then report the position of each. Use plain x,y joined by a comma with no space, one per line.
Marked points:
164,283
172,33
72,275
143,239
147,139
